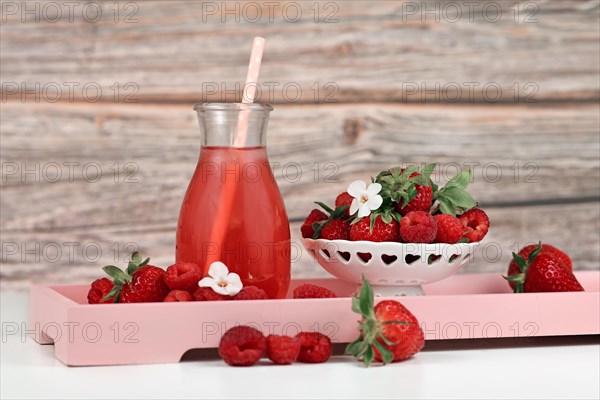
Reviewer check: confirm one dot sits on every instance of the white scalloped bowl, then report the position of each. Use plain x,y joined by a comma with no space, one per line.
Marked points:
393,269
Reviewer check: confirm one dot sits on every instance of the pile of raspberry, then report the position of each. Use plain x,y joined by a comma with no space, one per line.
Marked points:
243,346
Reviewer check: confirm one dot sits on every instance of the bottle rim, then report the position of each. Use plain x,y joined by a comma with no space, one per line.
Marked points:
232,107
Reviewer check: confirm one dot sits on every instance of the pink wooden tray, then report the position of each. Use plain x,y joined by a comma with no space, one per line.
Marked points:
460,307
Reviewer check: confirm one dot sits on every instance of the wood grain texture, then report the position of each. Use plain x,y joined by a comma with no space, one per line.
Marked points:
313,155
376,51
41,216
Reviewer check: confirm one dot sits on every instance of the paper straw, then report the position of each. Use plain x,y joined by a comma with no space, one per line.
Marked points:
249,89
229,186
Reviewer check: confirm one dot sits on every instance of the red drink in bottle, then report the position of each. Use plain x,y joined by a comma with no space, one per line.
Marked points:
232,211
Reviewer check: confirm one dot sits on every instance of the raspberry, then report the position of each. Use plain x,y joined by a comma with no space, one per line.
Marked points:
418,227
207,294
282,349
183,276
476,223
242,346
307,227
381,231
315,347
251,293
310,291
344,199
449,229
98,290
337,229
178,295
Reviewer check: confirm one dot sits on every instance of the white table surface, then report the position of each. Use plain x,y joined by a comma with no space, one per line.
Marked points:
529,368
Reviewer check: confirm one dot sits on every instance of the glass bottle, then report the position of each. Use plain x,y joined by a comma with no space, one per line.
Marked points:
233,211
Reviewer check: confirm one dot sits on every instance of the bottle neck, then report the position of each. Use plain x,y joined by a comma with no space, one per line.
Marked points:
233,124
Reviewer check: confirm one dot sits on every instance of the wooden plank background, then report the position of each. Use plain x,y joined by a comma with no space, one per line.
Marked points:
535,158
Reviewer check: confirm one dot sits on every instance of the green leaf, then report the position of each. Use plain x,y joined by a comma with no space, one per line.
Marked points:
518,278
446,207
387,179
386,355
463,240
325,207
136,258
387,218
144,263
458,197
366,298
354,348
427,171
356,305
534,253
368,357
387,341
116,273
411,193
357,348
460,181
338,212
434,188
114,292
317,227
520,261
355,220
131,267
395,171
373,217
519,288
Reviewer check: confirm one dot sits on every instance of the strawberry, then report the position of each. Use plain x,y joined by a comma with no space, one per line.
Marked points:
409,189
542,272
99,289
337,229
183,276
344,199
562,258
388,331
141,283
418,227
449,229
421,202
310,291
177,296
377,228
335,226
476,223
307,227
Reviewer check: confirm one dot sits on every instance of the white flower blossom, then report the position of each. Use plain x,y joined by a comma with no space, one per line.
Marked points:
366,199
221,280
